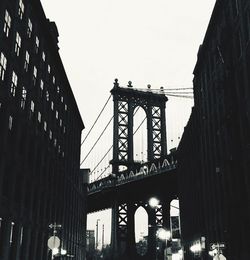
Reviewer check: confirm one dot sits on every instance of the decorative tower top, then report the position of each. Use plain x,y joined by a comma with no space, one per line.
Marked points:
116,84
130,84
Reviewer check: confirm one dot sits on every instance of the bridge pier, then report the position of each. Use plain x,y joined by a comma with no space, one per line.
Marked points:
123,234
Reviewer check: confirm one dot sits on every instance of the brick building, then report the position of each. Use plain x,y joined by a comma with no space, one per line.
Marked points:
214,153
40,135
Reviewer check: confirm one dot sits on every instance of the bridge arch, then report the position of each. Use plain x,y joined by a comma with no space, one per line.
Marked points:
141,230
140,135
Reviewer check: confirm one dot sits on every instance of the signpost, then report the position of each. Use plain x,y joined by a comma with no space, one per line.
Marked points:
54,241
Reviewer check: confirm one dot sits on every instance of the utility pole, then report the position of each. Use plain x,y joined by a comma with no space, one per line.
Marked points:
97,233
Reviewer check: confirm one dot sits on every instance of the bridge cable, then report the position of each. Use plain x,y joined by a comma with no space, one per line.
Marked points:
102,159
180,96
178,93
96,120
91,149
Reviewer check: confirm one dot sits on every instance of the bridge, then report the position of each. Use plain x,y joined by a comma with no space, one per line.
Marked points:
132,183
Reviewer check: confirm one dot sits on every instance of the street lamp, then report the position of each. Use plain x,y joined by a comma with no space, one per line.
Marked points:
163,234
153,202
198,247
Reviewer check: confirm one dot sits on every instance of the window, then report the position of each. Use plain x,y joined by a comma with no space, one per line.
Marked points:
47,95
13,84
17,44
37,45
62,99
43,56
29,30
21,9
64,129
55,142
54,80
32,106
23,98
65,107
41,84
60,122
34,75
39,117
27,61
3,65
41,87
45,126
48,68
7,23
21,236
58,89
56,114
50,135
52,105
10,122
11,231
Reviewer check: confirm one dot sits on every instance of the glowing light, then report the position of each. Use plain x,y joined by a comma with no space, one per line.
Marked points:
63,252
176,257
196,248
163,234
55,251
153,202
180,252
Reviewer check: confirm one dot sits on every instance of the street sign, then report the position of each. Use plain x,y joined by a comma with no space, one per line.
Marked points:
53,242
218,246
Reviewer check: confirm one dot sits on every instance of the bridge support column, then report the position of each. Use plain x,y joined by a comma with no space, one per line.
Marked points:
152,234
123,233
166,224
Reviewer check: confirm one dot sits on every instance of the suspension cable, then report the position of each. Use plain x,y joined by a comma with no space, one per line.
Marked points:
96,120
102,159
97,140
180,96
139,125
178,93
102,172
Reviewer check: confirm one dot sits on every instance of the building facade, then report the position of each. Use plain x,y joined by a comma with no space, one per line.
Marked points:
40,135
214,153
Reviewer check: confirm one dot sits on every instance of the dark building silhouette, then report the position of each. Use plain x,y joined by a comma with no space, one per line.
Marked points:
40,132
214,153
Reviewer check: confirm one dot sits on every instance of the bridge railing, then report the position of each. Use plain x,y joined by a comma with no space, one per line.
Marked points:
161,166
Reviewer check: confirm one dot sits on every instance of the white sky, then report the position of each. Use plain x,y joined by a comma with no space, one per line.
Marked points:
145,41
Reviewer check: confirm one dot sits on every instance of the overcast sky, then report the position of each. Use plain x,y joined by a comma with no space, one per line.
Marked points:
146,41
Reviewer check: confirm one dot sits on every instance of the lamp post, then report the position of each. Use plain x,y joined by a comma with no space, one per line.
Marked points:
165,236
54,241
102,236
97,233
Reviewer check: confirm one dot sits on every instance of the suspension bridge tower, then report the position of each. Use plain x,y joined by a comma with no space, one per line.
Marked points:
126,102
